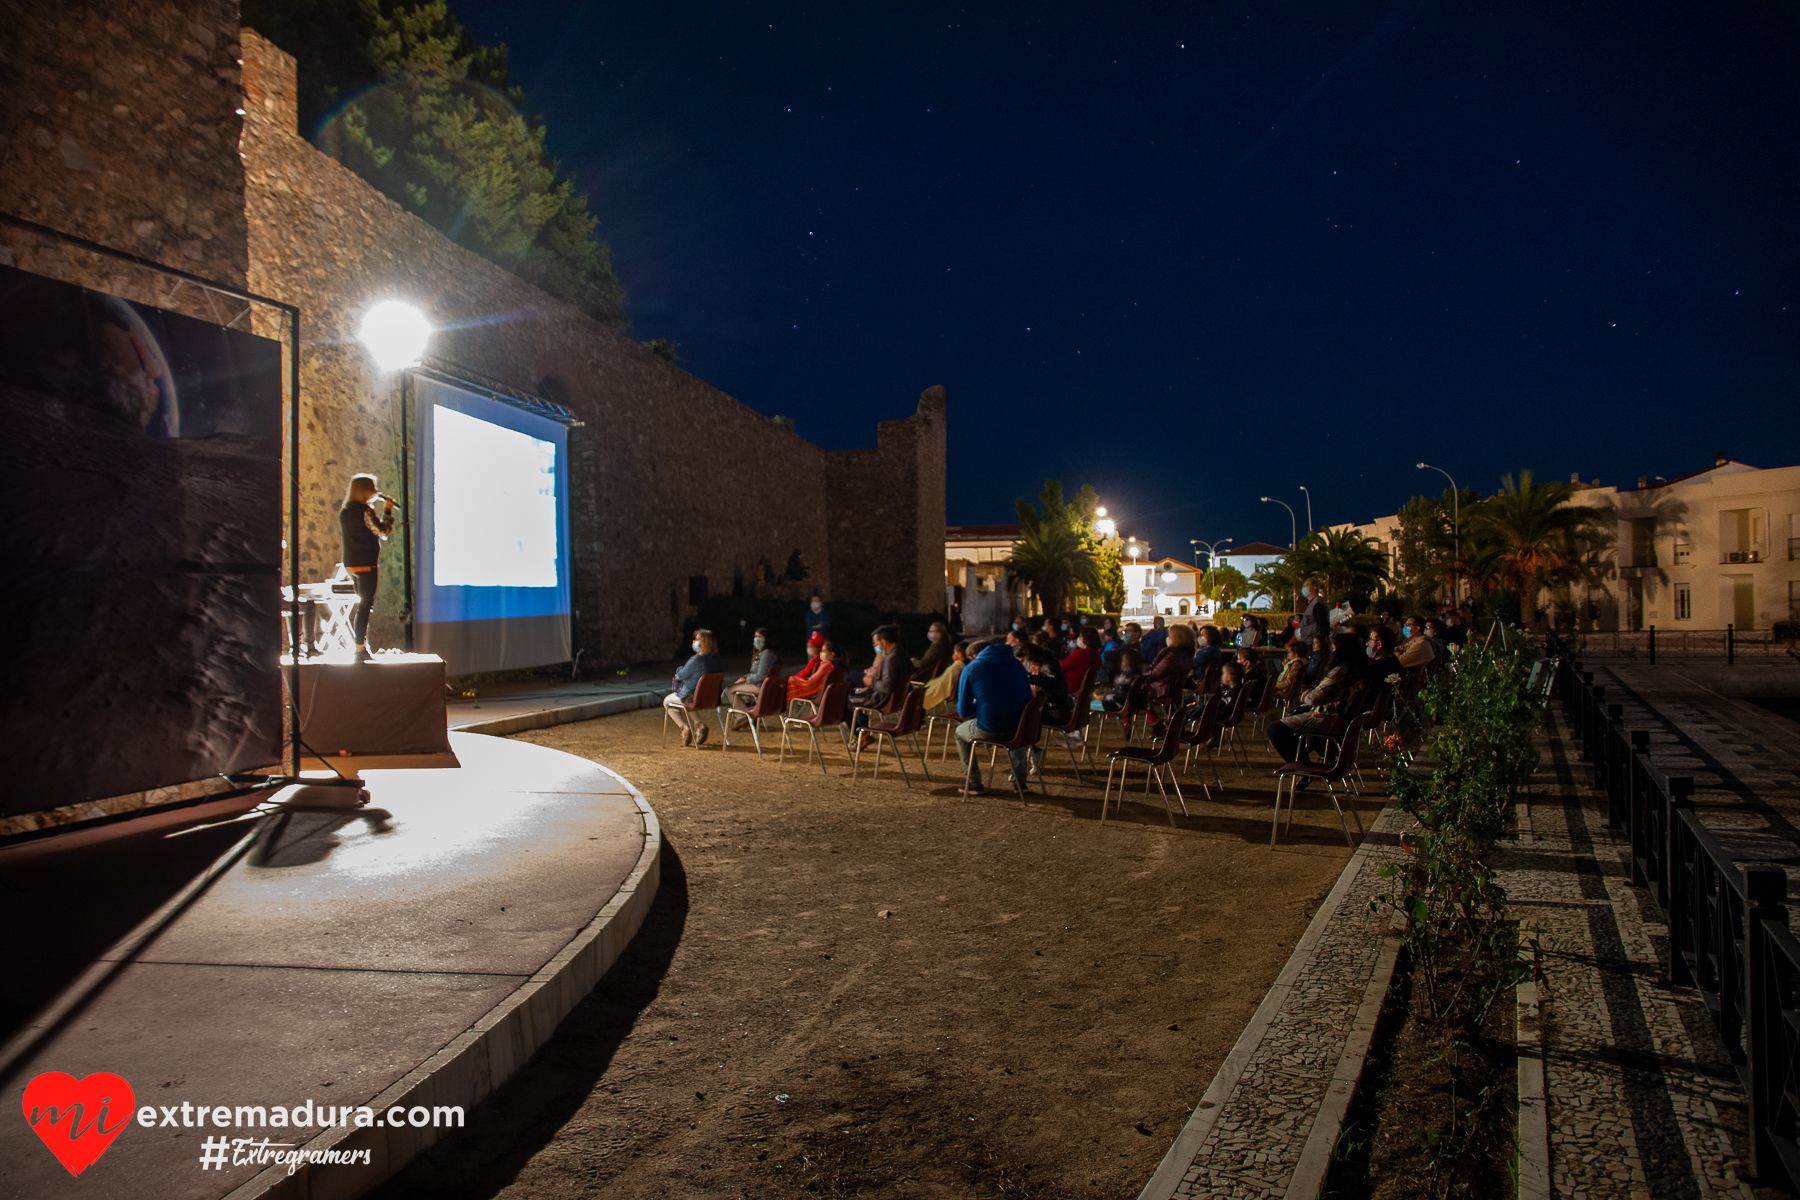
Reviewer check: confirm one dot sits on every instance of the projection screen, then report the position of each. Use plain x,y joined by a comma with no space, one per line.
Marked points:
492,563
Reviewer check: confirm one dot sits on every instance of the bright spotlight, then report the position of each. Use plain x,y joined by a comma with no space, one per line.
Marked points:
1106,526
395,333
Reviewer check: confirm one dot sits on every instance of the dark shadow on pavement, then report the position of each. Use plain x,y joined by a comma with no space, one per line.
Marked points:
503,1133
70,905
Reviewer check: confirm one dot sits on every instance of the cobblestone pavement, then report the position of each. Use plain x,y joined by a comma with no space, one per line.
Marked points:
1250,1129
1642,1098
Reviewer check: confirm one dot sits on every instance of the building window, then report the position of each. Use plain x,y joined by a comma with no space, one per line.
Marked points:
1684,602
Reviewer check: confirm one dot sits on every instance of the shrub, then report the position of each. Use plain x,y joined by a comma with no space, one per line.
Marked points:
1787,631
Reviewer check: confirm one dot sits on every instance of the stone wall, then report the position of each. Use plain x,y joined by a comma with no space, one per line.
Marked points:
119,123
887,528
670,478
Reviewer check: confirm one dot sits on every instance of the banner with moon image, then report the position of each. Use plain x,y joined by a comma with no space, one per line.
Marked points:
140,487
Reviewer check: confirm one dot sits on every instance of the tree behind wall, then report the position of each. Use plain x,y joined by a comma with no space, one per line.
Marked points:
401,94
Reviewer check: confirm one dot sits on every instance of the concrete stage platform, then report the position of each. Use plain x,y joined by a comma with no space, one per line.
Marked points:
342,959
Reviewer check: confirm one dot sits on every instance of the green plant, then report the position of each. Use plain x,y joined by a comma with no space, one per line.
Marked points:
1787,631
1540,538
1456,924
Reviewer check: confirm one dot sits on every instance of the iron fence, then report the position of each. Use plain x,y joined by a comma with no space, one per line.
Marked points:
1644,645
1728,924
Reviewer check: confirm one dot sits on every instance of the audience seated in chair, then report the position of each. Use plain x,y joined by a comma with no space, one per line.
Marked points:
1289,683
808,684
1338,695
993,692
887,681
705,661
742,694
936,659
942,690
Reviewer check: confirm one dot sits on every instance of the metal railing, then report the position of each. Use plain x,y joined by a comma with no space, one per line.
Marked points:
1728,925
1644,645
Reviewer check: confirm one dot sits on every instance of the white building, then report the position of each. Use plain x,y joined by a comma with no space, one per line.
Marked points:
1718,546
1164,587
1247,558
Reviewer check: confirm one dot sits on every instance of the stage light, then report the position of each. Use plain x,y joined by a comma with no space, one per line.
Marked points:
395,333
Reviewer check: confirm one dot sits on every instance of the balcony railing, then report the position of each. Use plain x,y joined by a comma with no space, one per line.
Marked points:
1741,556
1728,925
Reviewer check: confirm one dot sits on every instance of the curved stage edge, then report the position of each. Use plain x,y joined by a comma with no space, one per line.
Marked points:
417,965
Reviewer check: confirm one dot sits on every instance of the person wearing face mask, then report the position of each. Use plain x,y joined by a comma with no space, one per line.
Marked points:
888,680
818,620
705,661
931,664
1315,617
808,684
1382,663
1416,650
742,694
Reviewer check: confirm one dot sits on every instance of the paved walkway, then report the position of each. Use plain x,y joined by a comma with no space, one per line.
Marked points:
415,952
1642,1099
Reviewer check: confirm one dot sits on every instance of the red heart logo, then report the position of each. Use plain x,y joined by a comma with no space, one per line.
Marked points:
75,1116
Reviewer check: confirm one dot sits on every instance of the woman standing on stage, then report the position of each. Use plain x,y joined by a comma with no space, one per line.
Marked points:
363,534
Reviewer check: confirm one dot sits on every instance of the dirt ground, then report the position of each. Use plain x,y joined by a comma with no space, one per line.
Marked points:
880,991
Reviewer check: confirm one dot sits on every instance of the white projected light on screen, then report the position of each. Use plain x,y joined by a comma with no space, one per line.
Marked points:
494,516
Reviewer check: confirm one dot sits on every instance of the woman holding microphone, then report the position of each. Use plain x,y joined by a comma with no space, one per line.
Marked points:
363,534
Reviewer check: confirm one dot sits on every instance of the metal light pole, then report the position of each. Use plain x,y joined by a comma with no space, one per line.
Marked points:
1293,524
1455,530
1211,557
1309,524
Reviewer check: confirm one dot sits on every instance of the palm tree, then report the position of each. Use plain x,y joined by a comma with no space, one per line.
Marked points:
1537,536
1052,558
1345,561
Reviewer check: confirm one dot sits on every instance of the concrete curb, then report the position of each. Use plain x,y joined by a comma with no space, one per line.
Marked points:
545,717
1534,1107
1193,1135
480,1060
1308,1179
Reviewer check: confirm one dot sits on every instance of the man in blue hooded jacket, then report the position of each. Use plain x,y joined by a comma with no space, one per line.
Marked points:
993,691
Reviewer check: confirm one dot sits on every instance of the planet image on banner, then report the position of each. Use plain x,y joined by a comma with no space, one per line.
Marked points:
139,383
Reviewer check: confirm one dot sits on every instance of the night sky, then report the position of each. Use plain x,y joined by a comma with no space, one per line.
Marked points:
1196,254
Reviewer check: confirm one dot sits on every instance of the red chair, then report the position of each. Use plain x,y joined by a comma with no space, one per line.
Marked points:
1338,772
1159,760
706,696
1026,735
833,702
771,701
905,723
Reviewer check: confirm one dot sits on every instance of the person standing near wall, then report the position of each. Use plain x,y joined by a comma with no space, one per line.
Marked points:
818,620
363,534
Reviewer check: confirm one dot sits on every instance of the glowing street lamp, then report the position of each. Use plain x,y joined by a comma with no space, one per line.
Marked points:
395,333
1104,525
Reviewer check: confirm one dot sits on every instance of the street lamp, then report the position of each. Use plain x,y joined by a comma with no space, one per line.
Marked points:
1309,524
1293,525
1211,556
1455,531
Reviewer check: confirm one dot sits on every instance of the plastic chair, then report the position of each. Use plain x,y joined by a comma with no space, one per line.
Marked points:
706,696
771,701
1159,760
1026,735
833,702
1228,727
1291,774
1080,717
906,722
